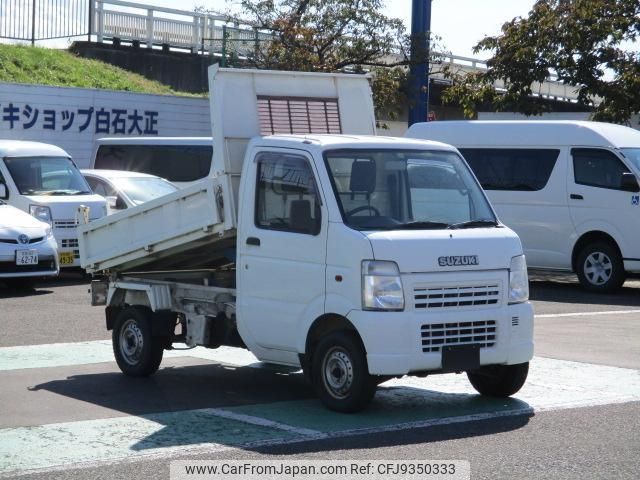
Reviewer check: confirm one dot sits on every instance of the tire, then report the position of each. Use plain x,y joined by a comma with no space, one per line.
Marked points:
340,373
600,267
499,380
137,352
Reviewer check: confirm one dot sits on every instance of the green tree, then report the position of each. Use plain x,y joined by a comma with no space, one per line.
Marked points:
587,44
334,36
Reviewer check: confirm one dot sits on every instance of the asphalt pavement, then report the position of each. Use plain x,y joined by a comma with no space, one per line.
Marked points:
66,412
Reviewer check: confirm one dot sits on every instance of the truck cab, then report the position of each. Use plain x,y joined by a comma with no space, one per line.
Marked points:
355,257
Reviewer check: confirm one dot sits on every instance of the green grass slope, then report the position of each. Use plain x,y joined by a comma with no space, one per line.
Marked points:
43,66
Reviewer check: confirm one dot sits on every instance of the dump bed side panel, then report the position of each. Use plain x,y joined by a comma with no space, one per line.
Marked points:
169,225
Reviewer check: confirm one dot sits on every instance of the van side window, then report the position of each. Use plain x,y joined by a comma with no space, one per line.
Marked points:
522,169
286,194
101,188
176,163
595,167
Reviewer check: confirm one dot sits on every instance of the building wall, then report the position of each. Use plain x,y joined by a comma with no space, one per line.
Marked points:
73,118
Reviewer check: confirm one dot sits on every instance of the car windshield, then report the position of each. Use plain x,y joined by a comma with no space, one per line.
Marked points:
46,176
388,189
143,189
633,154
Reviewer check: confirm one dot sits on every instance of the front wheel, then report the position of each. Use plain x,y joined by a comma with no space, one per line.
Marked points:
340,373
499,380
137,352
600,267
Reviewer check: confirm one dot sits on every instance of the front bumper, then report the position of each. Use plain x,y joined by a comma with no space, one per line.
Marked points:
394,343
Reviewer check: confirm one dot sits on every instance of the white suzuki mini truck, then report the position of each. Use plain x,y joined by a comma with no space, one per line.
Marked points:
358,258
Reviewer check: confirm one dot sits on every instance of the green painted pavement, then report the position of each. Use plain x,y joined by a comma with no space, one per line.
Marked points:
552,384
84,353
107,439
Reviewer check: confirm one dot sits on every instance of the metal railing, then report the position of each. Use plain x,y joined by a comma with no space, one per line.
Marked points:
35,20
151,25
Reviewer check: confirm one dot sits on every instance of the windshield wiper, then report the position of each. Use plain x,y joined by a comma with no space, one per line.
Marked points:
474,224
422,224
82,192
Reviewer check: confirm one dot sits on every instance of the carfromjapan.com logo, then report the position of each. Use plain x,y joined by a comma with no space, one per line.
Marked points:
635,200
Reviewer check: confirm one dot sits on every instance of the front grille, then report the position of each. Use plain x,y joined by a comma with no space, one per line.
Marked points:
42,266
426,298
69,243
15,242
437,335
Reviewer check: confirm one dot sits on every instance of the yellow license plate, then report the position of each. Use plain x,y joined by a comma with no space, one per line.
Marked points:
66,258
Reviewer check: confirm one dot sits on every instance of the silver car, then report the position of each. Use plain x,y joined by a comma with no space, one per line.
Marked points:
125,189
28,251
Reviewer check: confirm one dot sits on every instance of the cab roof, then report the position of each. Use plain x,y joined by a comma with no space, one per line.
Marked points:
483,133
19,148
326,141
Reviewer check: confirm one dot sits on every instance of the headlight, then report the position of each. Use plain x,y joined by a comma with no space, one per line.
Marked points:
381,286
518,280
42,213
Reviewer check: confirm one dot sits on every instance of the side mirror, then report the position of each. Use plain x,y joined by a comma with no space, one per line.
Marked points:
4,193
116,202
629,183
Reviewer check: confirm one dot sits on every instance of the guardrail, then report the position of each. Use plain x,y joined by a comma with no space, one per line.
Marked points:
35,20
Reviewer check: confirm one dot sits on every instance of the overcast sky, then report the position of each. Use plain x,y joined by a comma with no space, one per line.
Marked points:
460,23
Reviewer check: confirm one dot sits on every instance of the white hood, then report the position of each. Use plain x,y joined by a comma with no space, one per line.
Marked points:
64,207
14,222
419,251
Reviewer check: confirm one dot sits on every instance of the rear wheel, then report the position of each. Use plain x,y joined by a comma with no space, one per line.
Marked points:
499,380
600,267
137,352
340,373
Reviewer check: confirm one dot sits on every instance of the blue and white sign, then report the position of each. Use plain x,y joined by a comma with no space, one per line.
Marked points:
73,118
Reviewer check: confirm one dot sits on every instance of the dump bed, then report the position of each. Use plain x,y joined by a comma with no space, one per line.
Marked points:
183,229
195,227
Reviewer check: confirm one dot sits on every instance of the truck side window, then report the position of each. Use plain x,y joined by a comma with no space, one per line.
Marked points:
286,194
595,167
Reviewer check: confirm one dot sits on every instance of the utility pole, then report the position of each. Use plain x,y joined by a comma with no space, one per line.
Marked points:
420,29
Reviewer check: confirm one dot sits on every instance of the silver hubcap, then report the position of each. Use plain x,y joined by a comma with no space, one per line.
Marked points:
131,342
337,372
598,268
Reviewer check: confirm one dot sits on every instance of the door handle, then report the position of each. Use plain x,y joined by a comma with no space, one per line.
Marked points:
574,196
253,241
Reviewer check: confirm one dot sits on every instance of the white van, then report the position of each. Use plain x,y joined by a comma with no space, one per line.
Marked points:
568,188
181,160
42,180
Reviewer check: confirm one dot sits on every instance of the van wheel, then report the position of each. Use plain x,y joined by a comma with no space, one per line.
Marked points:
499,380
600,267
340,373
137,353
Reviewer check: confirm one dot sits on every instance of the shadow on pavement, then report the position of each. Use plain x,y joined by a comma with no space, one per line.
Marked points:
178,398
564,287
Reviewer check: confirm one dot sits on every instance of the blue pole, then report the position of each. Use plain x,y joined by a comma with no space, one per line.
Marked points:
420,28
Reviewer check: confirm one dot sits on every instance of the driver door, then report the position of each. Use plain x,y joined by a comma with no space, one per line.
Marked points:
282,259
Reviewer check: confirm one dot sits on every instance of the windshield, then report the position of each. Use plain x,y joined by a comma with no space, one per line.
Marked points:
633,154
398,189
143,189
46,176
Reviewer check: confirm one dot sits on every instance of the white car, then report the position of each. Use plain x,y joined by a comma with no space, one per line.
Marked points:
28,250
124,189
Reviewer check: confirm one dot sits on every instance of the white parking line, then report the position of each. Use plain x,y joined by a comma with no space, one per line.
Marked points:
588,314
